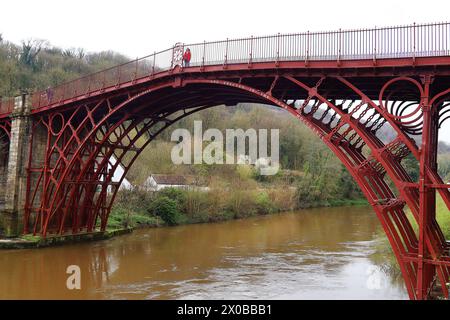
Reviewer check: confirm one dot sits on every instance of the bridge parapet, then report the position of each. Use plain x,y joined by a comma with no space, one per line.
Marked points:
6,105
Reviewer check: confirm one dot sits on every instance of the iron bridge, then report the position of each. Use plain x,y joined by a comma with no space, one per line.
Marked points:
345,85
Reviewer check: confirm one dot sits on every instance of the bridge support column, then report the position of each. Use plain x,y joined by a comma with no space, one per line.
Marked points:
427,213
16,168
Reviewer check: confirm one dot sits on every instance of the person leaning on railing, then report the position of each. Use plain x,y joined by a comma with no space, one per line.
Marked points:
187,57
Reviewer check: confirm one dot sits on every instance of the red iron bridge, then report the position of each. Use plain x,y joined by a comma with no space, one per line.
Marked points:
64,144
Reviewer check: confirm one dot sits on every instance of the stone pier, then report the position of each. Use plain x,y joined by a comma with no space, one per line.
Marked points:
14,189
4,150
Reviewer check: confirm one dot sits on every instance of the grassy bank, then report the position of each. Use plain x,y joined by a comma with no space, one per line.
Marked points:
384,255
443,217
176,206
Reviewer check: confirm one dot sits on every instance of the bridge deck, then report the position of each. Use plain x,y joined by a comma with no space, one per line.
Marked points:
378,51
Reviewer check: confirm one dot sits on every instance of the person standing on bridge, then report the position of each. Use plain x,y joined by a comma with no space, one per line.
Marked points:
187,57
49,93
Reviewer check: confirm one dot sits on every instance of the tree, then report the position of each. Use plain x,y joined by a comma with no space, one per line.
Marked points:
412,167
70,53
30,51
444,166
80,53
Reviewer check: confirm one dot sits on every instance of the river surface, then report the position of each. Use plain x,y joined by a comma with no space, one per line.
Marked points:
310,254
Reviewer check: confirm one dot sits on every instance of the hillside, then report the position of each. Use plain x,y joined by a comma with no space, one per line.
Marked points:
36,64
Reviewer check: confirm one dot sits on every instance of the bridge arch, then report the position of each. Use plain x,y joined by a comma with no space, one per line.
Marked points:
79,152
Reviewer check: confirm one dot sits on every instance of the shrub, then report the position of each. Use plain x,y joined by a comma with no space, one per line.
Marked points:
308,193
196,204
178,195
245,171
264,203
120,218
167,209
241,203
133,200
283,199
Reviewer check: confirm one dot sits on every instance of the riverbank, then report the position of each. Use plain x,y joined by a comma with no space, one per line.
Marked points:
179,207
32,242
136,221
170,207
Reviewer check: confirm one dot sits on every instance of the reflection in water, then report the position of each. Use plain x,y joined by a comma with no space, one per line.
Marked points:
311,254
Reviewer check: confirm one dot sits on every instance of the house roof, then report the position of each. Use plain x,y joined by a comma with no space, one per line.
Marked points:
169,179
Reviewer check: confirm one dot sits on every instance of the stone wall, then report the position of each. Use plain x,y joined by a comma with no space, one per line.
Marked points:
14,197
4,151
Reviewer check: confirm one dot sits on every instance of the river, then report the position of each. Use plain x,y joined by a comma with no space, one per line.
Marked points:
310,254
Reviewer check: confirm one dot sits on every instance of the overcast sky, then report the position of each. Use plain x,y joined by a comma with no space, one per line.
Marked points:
138,28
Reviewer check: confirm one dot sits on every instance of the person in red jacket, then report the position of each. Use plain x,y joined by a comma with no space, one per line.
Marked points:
187,57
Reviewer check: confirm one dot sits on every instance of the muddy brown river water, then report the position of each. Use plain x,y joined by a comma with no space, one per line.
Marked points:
310,254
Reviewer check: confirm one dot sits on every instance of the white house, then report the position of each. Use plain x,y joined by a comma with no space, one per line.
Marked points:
158,182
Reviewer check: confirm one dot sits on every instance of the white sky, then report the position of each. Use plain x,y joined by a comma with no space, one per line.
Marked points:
138,28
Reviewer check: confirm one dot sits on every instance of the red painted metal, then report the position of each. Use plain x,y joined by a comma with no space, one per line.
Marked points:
6,106
5,137
348,85
5,127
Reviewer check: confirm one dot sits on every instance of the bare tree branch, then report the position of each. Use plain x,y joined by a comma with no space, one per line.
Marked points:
30,50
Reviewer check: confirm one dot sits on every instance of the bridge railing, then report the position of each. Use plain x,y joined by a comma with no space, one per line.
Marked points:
378,43
108,78
418,40
6,105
